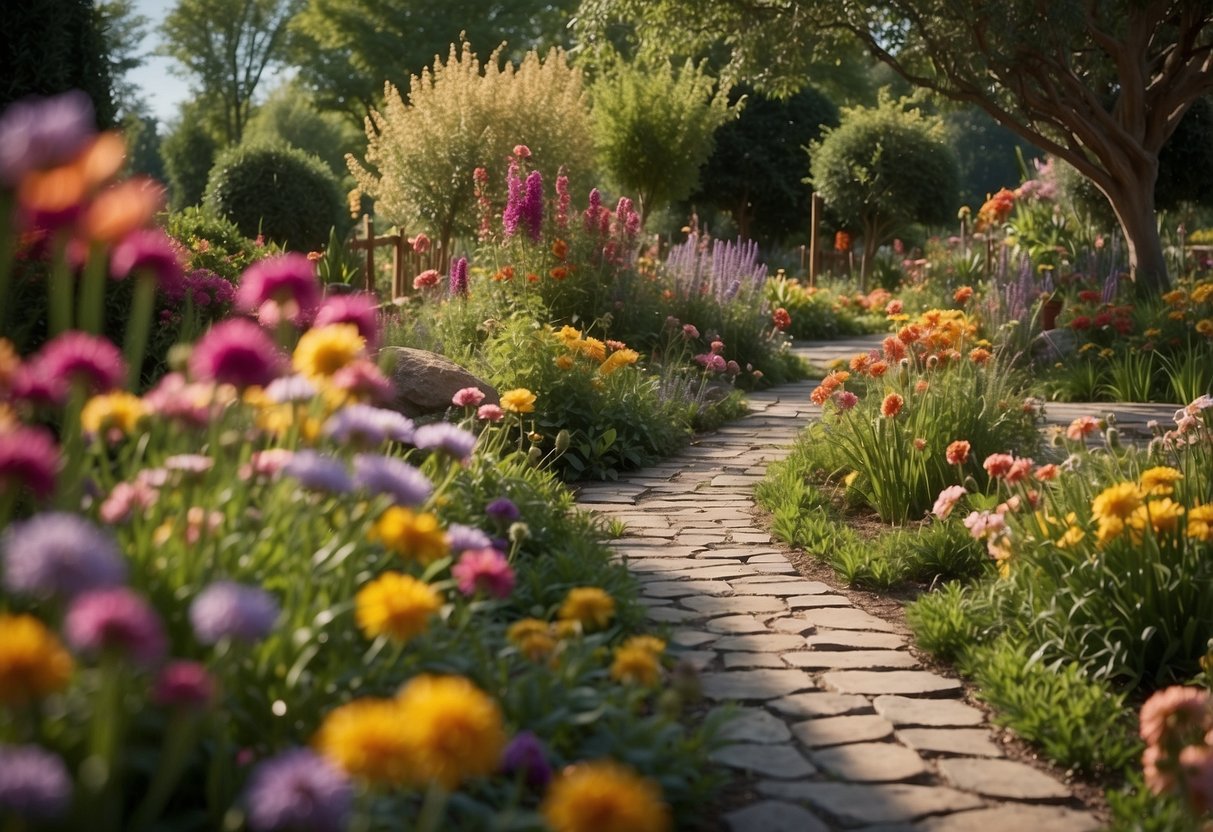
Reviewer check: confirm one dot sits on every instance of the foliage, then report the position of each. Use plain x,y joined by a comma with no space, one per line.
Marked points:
1135,808
883,168
656,152
123,30
822,312
289,116
189,151
985,153
142,135
224,47
461,115
943,622
280,192
214,243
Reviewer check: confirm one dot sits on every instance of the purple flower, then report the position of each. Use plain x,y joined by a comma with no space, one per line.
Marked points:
34,783
459,277
360,309
78,358
525,754
443,436
226,609
287,389
368,426
298,790
484,569
184,684
563,199
29,458
532,205
591,213
513,203
236,352
280,288
56,553
460,538
318,472
43,132
405,484
149,250
116,620
503,510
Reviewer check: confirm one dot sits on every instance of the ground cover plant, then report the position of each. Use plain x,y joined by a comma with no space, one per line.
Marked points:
252,581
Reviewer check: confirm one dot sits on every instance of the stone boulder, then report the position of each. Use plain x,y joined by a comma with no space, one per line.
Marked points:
425,381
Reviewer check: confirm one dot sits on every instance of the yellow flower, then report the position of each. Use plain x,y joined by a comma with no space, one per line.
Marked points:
1072,536
566,629
323,351
653,644
525,627
33,663
518,400
636,664
1161,515
568,335
409,534
564,362
1200,523
1160,480
453,728
366,739
1205,326
395,605
1090,345
1117,501
1110,528
536,646
1175,297
604,796
112,415
1106,352
1202,293
1152,332
617,359
589,605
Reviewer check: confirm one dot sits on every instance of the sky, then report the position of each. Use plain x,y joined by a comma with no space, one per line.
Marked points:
163,90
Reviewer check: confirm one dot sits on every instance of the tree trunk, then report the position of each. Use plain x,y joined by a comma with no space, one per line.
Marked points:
1134,207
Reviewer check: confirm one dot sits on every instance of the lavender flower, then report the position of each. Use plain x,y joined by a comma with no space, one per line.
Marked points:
43,132
56,553
116,620
34,783
388,475
525,754
226,609
443,436
369,426
503,509
318,472
287,389
532,205
297,790
459,277
697,272
460,538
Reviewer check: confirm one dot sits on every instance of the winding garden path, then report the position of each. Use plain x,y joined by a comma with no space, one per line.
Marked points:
839,725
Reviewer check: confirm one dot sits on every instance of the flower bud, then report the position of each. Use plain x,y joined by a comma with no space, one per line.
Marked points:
519,532
562,441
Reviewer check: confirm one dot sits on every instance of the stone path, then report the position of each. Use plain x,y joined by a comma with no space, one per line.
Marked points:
838,724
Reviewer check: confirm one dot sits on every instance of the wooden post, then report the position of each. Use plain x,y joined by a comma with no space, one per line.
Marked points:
399,245
814,242
368,234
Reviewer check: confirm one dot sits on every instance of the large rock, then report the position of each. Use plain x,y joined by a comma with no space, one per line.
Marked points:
425,381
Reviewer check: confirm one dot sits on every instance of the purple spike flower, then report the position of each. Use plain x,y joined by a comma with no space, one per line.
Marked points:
459,277
513,203
532,205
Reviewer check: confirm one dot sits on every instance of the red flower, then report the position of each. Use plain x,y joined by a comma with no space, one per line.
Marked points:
781,319
891,405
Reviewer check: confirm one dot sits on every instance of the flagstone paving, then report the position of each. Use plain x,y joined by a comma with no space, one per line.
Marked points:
838,725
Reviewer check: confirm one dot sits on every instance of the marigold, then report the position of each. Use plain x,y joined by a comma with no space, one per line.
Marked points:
963,294
322,351
592,347
980,356
1117,501
589,605
1162,515
415,536
877,369
366,739
112,415
604,796
891,405
619,358
395,605
860,362
518,400
636,665
564,362
1200,522
1205,326
894,349
33,662
453,729
1160,480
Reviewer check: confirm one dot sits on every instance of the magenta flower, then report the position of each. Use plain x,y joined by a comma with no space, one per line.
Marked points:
359,309
298,789
34,783
846,400
364,381
29,458
513,203
184,684
43,132
116,620
531,210
484,570
151,251
236,352
563,199
226,609
280,288
591,212
690,332
59,554
78,358
467,397
459,277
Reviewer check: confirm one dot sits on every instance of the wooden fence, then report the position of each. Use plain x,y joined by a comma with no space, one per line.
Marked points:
407,263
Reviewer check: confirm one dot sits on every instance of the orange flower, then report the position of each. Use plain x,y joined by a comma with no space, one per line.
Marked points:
125,207
532,278
842,241
909,334
559,273
560,248
958,452
891,405
894,349
820,394
504,273
860,362
921,386
980,356
963,294
878,369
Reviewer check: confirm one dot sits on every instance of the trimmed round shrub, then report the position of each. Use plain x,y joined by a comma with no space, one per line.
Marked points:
280,192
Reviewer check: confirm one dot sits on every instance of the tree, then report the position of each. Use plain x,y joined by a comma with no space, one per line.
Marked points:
289,116
188,151
347,49
1101,84
225,46
985,151
123,30
885,167
654,126
755,171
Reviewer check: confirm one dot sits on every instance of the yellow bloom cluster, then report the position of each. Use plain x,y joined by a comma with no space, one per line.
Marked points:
578,345
112,416
589,606
412,535
603,796
395,605
1147,505
638,661
33,663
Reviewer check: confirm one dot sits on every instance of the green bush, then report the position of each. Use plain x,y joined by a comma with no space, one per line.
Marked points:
943,622
212,242
278,192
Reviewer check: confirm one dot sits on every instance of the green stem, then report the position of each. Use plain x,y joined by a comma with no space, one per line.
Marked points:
71,443
178,741
91,303
59,288
433,809
138,327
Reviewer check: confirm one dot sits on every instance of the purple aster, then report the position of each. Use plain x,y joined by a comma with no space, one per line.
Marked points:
29,458
406,485
298,790
443,436
484,570
368,426
236,352
459,277
56,553
43,132
280,288
34,783
287,389
526,755
360,309
148,250
184,684
532,205
460,538
318,472
79,358
115,620
226,609
503,509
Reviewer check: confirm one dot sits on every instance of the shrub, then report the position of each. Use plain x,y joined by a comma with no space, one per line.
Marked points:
289,116
189,151
943,622
278,192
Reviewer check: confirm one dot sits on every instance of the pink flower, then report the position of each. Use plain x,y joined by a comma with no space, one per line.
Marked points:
984,523
958,452
77,358
280,288
467,397
1047,472
522,151
947,500
429,277
894,307
175,398
118,620
1081,428
421,243
360,309
1019,470
29,458
124,499
484,569
236,352
266,463
1197,764
1185,710
184,684
998,465
490,413
689,331
846,400
364,380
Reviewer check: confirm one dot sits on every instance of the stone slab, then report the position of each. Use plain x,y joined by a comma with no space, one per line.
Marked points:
732,660
826,639
969,742
870,762
691,638
733,604
761,643
832,659
755,725
786,589
670,615
755,684
849,618
1015,818
735,624
698,659
679,589
773,816
781,761
1001,778
822,732
806,602
790,625
855,804
904,711
820,703
875,682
